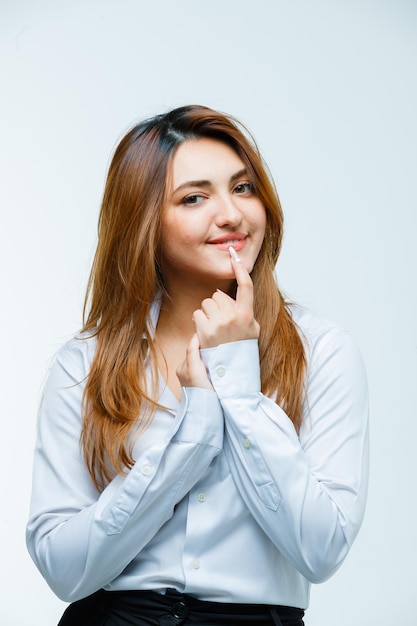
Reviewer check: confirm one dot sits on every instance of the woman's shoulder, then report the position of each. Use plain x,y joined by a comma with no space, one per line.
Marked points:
309,321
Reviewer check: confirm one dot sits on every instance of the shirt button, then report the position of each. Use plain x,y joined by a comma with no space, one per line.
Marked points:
220,371
246,443
201,497
195,564
146,470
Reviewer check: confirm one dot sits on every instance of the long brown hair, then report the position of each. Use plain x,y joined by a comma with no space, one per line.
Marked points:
126,278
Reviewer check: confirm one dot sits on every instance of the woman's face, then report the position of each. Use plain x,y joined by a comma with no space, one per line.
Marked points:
210,206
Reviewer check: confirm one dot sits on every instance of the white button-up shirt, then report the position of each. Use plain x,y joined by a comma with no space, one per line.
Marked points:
225,501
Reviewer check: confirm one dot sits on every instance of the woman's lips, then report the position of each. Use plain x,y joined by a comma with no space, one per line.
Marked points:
224,243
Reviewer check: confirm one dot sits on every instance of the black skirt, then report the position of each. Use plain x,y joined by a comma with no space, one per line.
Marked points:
147,608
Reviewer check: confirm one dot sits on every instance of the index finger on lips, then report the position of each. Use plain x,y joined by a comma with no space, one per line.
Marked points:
244,294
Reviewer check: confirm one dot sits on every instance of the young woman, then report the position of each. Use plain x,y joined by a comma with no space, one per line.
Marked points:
202,446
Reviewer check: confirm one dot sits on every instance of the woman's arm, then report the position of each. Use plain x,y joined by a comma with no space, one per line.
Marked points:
80,539
307,494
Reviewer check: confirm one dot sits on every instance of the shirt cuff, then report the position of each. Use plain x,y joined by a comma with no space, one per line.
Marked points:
201,417
233,368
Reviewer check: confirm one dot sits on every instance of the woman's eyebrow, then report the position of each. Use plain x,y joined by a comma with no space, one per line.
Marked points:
208,183
193,183
239,174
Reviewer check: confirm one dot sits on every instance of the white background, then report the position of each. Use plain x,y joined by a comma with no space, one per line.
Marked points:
329,89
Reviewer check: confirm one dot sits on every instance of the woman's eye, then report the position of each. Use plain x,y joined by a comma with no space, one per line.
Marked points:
193,199
242,188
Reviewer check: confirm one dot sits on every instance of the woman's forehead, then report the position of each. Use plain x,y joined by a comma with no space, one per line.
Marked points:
203,159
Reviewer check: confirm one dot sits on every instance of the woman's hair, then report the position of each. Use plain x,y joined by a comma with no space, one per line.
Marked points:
126,278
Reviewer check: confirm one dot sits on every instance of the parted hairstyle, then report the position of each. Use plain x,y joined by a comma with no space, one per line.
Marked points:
126,278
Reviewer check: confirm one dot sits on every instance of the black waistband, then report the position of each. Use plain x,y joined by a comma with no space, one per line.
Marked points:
194,604
173,609
178,606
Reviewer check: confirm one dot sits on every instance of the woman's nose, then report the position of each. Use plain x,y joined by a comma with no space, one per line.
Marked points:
227,212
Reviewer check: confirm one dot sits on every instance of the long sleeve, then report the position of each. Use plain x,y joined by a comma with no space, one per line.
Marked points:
307,493
81,539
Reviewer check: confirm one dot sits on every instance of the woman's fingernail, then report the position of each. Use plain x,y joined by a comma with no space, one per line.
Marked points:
234,255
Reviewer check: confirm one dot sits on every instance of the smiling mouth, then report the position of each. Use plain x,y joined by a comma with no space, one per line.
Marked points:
232,237
227,242
224,244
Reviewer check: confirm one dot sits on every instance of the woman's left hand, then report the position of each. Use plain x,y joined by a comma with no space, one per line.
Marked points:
192,372
222,319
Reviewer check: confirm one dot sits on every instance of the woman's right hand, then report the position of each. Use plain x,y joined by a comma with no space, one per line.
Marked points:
192,372
221,319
